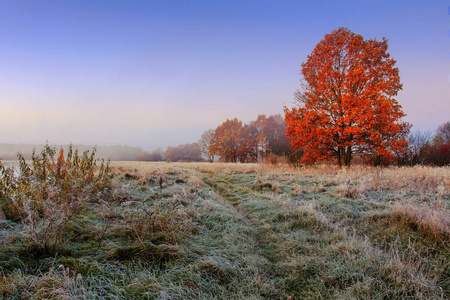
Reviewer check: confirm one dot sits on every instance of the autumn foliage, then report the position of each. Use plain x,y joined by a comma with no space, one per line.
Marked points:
347,104
264,137
226,140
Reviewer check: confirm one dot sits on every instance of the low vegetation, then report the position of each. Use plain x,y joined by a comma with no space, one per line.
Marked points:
222,231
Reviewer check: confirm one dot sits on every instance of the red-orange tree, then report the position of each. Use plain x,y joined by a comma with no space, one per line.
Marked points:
226,140
347,104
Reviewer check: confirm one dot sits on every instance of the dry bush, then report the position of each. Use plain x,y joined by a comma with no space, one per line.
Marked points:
7,185
297,190
53,190
311,216
259,185
270,186
13,284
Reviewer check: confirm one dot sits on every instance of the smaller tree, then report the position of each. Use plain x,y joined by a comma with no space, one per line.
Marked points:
226,140
155,155
437,152
205,143
444,131
275,135
186,152
417,140
261,148
248,145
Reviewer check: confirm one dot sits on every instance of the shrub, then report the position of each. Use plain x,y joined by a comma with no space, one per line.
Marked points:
7,183
51,191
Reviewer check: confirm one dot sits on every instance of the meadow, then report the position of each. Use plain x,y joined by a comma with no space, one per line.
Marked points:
241,231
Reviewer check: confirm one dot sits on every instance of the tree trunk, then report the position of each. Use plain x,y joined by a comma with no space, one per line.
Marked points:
348,156
339,157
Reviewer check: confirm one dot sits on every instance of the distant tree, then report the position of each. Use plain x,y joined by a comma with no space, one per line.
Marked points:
172,154
437,152
261,141
248,143
347,104
274,132
226,140
265,136
186,152
205,143
417,140
444,131
155,155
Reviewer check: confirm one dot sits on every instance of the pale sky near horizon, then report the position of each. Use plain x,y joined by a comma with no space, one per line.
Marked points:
159,73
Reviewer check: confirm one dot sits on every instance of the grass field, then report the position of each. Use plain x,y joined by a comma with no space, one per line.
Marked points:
245,231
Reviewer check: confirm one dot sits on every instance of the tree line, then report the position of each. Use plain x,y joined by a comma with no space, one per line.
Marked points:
182,153
346,109
426,148
232,141
265,140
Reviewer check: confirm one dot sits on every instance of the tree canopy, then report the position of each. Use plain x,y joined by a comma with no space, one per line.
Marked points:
226,140
347,103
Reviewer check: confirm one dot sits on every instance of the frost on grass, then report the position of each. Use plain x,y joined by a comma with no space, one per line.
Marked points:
240,231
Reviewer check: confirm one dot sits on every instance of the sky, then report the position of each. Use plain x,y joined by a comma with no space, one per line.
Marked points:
160,72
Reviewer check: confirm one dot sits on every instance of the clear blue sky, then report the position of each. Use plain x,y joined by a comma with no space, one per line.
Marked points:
159,73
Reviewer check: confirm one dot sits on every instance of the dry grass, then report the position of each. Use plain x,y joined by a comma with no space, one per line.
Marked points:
247,231
431,221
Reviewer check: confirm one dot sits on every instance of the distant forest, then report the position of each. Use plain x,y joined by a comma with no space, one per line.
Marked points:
9,151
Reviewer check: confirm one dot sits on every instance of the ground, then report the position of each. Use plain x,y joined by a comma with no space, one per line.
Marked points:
245,231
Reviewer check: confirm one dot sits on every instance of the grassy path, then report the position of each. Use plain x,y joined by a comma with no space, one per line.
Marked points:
267,243
277,225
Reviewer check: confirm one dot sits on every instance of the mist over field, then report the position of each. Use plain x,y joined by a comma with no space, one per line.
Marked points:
154,74
126,153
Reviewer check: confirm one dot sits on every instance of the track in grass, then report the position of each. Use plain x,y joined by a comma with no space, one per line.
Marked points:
275,225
